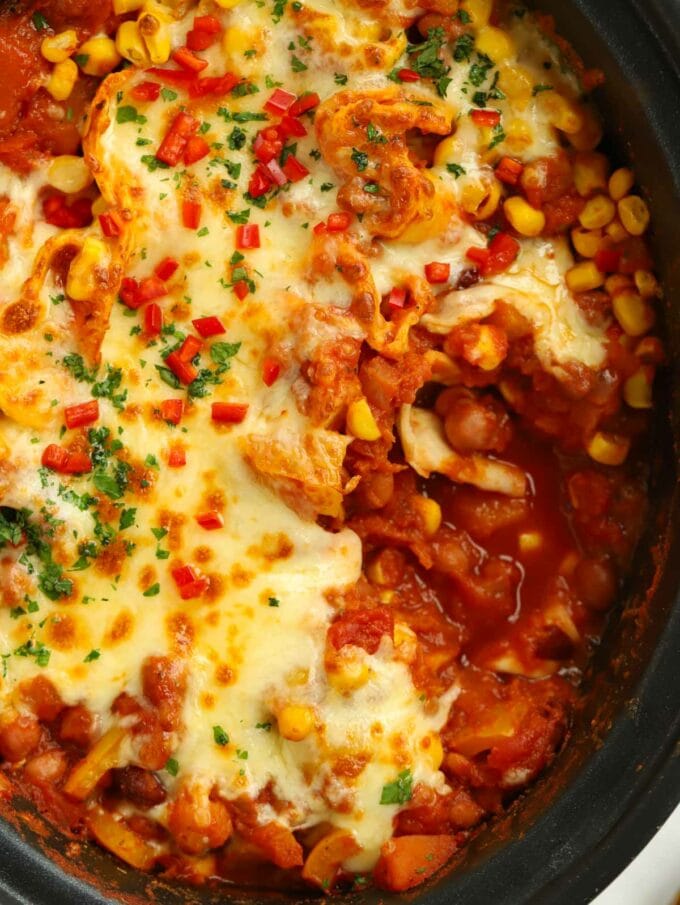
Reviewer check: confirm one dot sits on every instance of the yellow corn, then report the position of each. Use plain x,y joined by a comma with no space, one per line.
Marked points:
69,174
236,42
81,281
646,284
529,541
495,43
616,232
633,314
387,596
130,45
479,11
608,449
563,114
597,213
443,369
227,4
590,173
620,183
351,673
375,571
634,214
517,83
589,135
433,749
518,136
62,80
153,27
57,48
99,55
126,6
486,352
361,422
583,277
586,241
637,390
431,513
295,722
524,218
616,283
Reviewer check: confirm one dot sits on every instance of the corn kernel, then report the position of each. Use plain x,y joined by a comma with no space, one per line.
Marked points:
518,136
360,421
634,214
495,43
376,573
646,284
616,283
517,83
589,135
488,349
433,749
443,369
616,231
350,673
80,282
431,513
120,7
62,80
633,314
99,55
620,183
637,390
236,42
583,277
608,449
130,45
227,4
590,173
524,218
529,541
563,113
597,213
479,11
387,597
69,174
153,27
57,48
295,722
587,242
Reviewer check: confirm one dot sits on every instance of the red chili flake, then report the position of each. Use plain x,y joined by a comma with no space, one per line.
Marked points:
397,297
290,127
408,75
191,346
509,171
111,224
276,173
213,85
607,260
197,148
240,289
260,183
174,144
485,117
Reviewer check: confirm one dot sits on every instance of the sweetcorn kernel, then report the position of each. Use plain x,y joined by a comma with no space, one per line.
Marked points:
479,11
349,674
616,283
517,83
431,513
634,214
637,390
608,449
620,183
80,282
616,231
227,4
586,241
598,212
62,80
295,722
632,312
361,422
583,277
529,541
57,48
562,113
589,135
646,284
130,45
126,6
99,55
495,43
433,749
590,173
443,369
69,174
153,27
525,219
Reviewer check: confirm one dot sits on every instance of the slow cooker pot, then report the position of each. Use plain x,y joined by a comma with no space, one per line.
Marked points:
619,778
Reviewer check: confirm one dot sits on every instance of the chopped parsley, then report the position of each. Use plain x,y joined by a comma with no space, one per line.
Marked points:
340,79
426,61
462,50
40,23
360,159
129,114
172,766
220,736
498,136
168,95
273,601
93,655
538,89
456,169
400,791
152,591
296,64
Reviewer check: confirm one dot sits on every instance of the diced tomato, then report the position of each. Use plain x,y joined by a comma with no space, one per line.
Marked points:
437,272
146,91
153,320
191,346
260,183
509,171
191,214
240,289
129,288
218,85
181,78
210,520
172,410
177,456
478,256
306,102
197,148
188,60
150,288
58,459
485,117
271,369
338,222
200,40
267,145
607,260
503,249
362,628
111,224
229,412
58,212
279,102
290,127
183,575
81,414
294,170
166,268
183,370
408,75
174,144
77,463
248,236
208,326
397,297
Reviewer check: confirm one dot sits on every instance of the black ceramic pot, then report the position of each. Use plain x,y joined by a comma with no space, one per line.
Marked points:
620,778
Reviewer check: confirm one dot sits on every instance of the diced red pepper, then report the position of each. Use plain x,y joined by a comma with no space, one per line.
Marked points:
209,326
194,589
209,24
181,78
166,269
503,249
271,368
58,459
436,272
267,145
153,320
174,144
240,289
276,173
396,297
338,222
229,412
210,520
290,127
248,236
172,410
607,260
183,370
191,214
294,170
478,256
189,581
279,102
200,40
509,171
183,575
129,289
188,60
111,224
191,346
81,414
304,103
217,85
197,148
150,288
77,463
146,91
485,117
319,229
408,75
58,212
260,183
177,456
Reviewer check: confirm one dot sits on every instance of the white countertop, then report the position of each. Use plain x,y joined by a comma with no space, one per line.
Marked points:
653,878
